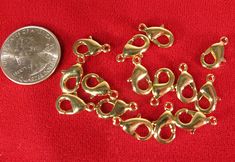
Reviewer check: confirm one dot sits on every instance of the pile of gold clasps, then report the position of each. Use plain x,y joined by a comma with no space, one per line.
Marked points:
158,89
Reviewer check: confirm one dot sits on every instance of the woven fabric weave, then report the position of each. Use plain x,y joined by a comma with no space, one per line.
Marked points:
32,130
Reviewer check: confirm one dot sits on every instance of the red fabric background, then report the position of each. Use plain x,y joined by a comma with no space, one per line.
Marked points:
32,130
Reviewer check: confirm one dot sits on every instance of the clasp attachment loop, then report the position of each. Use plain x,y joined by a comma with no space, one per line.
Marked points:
131,50
198,120
153,33
93,47
76,71
185,79
166,119
139,73
160,89
217,51
130,126
119,107
77,104
207,91
101,89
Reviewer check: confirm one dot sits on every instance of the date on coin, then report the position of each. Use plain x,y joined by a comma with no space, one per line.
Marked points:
30,55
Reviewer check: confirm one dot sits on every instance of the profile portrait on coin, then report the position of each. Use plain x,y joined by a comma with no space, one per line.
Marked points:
28,51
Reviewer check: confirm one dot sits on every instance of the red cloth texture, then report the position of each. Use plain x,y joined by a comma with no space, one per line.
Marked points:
32,130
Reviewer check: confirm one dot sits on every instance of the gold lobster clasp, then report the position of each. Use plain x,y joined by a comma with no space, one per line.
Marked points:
77,104
198,120
160,89
154,33
185,79
139,73
119,108
166,119
76,71
131,50
130,126
207,91
217,51
93,47
101,89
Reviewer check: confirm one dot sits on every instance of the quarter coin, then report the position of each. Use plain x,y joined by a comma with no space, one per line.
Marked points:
30,55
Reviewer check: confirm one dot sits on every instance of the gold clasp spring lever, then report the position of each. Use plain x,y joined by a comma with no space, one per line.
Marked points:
185,79
154,33
77,104
101,89
166,119
217,51
198,120
119,108
76,71
130,126
160,89
207,91
131,50
93,47
139,73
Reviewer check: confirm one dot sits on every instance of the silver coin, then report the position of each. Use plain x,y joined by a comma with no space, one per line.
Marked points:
30,55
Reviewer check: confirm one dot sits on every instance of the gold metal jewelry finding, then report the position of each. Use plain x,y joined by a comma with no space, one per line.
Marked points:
207,91
130,126
101,89
185,79
160,89
131,50
93,46
77,104
198,120
76,71
166,119
139,73
217,51
154,33
119,108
